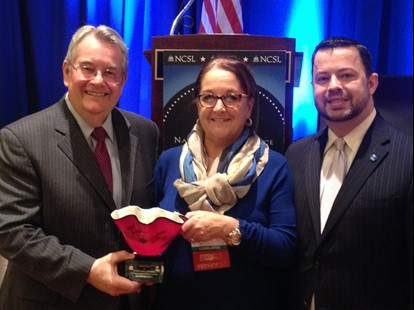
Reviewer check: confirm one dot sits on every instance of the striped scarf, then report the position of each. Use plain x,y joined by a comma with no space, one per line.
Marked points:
239,166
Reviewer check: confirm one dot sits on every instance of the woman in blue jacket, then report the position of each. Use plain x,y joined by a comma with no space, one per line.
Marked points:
238,197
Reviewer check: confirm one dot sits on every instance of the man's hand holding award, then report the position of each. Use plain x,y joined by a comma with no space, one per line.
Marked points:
148,232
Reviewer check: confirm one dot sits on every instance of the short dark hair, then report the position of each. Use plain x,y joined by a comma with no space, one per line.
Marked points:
338,42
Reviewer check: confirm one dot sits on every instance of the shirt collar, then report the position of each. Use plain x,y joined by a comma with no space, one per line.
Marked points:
354,138
85,127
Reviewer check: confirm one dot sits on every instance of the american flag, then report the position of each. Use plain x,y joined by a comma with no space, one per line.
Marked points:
221,16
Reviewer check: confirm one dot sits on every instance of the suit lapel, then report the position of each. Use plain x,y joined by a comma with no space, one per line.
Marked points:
370,155
127,145
76,148
312,174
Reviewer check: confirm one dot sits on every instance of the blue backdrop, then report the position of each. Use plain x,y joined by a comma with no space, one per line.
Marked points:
35,34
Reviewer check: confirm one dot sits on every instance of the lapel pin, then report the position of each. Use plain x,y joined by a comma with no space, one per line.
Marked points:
373,158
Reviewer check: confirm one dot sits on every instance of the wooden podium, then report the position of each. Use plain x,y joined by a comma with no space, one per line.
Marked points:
227,42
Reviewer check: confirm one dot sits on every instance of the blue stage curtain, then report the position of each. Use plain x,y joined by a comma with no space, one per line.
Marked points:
35,36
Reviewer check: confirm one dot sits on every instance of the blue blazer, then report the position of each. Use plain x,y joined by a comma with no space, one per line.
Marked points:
363,259
55,206
256,278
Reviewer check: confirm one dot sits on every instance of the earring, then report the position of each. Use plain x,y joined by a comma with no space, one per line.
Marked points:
249,122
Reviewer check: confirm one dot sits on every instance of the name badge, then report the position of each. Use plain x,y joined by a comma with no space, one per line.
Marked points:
210,255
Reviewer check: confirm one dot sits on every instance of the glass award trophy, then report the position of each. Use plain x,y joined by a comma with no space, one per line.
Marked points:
148,232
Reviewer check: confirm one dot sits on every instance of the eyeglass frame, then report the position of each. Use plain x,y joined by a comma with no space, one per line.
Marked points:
96,73
239,95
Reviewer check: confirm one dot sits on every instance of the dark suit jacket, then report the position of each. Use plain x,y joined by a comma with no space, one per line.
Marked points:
363,259
55,206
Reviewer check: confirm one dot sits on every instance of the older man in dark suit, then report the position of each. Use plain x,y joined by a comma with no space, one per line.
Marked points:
355,252
56,231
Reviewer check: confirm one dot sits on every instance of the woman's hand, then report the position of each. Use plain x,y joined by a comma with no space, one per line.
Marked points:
205,226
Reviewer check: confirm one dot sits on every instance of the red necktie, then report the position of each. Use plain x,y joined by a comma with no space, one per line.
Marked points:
102,155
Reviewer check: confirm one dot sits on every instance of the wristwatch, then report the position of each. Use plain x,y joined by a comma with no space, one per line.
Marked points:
234,237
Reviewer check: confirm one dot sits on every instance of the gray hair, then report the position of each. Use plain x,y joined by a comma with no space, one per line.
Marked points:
101,33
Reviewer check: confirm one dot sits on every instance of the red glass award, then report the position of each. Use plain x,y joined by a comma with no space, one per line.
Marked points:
148,232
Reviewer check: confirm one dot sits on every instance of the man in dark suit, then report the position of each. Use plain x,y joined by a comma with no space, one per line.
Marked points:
56,230
357,252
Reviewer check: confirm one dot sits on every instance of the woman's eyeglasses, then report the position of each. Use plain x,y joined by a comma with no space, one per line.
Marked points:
229,100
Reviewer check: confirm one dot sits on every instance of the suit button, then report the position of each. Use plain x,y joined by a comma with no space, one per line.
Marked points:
316,264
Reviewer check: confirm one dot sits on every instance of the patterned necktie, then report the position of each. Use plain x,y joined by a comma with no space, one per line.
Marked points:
102,155
336,174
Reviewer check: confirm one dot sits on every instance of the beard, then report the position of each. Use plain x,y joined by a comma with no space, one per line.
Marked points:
339,116
349,112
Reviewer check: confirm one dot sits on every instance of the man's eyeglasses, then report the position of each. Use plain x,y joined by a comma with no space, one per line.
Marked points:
229,100
89,72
